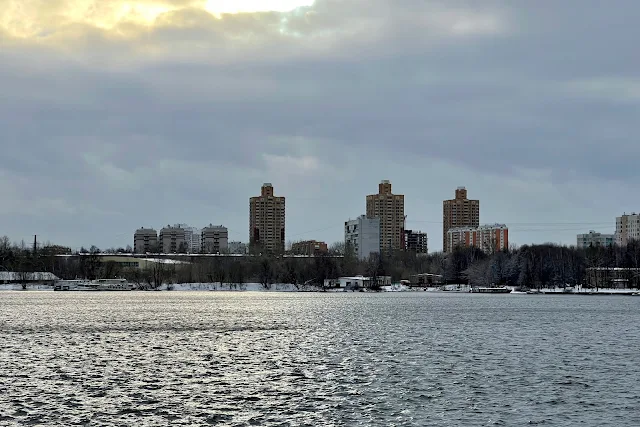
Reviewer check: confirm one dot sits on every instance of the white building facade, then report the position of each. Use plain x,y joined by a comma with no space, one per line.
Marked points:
594,239
363,235
627,228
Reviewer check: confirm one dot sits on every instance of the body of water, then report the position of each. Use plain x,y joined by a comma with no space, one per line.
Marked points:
293,359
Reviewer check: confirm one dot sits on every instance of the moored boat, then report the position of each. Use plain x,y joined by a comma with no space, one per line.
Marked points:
94,285
492,290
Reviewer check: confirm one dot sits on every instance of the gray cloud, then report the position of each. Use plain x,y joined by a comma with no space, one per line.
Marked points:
532,105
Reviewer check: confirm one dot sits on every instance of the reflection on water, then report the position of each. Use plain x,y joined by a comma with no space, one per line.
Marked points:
190,358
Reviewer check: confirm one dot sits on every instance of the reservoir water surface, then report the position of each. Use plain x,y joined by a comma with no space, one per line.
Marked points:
315,359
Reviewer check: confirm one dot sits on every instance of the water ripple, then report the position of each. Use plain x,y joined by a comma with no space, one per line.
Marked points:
246,359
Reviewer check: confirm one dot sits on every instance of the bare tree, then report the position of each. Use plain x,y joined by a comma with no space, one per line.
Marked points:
110,269
236,274
290,272
135,276
266,272
222,271
338,248
375,269
158,275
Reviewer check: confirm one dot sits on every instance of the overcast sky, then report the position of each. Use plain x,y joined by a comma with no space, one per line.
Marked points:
121,114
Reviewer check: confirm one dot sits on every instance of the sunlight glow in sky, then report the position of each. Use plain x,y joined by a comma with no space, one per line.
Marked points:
32,18
217,7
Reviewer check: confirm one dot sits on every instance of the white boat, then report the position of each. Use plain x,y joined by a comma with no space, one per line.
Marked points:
94,285
491,290
513,291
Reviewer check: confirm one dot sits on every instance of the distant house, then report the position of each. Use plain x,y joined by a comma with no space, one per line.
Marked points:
41,278
425,279
613,278
356,282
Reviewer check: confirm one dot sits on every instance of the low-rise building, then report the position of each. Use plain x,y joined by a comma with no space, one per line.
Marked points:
613,277
135,262
172,240
55,250
309,248
145,240
627,228
238,248
426,279
362,235
488,238
215,239
357,282
594,239
416,241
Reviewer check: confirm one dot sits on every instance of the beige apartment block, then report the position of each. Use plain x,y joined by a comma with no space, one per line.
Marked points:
267,221
459,213
389,208
145,240
215,239
172,240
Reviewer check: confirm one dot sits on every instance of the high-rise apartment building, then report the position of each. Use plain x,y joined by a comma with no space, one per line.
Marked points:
363,236
459,213
416,242
145,240
389,208
488,238
172,240
594,239
215,239
627,228
267,221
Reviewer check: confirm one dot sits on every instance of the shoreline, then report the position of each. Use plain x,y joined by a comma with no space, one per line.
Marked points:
281,287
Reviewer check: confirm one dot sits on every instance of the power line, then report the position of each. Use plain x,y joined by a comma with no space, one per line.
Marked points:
317,230
526,223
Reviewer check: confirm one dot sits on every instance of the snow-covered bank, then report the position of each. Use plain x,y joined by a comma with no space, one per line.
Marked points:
285,287
18,287
251,287
588,291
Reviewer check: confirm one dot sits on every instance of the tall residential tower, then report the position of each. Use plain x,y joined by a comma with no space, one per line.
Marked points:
266,221
459,213
389,208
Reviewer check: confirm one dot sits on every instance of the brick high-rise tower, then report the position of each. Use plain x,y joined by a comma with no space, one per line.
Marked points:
459,212
266,221
389,208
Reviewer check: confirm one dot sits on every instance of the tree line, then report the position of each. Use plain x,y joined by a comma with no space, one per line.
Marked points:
529,266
